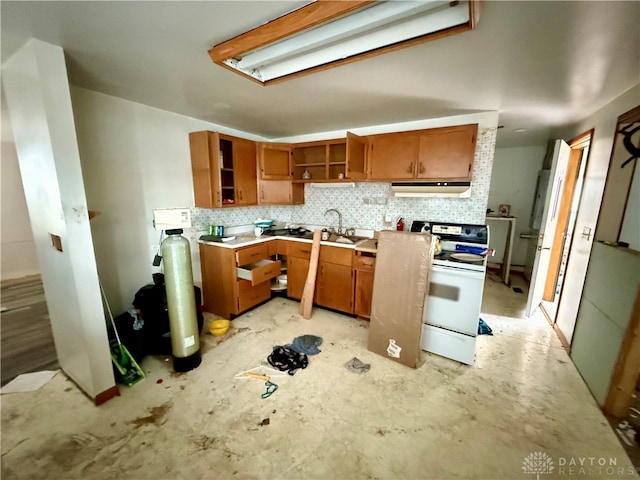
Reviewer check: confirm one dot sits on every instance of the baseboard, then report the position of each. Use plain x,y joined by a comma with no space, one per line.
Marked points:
556,329
106,395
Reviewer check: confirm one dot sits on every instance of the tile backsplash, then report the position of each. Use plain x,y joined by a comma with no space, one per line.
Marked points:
366,205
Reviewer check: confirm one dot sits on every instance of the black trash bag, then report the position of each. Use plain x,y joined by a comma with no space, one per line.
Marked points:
151,301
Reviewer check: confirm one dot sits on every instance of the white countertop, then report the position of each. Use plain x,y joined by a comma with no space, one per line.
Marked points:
249,239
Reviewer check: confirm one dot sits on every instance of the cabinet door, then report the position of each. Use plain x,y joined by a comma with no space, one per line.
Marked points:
393,156
244,169
363,293
275,161
205,168
280,192
219,285
357,147
275,192
447,153
297,269
334,287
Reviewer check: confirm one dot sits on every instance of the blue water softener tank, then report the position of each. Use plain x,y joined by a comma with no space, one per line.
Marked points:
181,305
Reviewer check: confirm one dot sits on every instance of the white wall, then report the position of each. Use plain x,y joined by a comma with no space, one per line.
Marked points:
513,182
17,249
135,158
604,124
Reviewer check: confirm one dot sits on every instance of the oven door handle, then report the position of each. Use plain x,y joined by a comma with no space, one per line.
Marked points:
458,271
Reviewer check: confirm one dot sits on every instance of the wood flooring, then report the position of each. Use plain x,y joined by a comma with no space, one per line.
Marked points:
26,338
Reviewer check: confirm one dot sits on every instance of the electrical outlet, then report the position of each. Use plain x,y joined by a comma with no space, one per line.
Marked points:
387,218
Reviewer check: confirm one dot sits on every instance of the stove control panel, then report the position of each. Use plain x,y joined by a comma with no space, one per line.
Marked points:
446,229
457,232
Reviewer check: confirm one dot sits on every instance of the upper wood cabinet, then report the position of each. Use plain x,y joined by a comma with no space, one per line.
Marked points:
393,156
274,160
224,170
342,159
332,160
275,185
447,153
435,154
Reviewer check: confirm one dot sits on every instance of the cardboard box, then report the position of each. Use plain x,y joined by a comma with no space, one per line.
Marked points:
400,289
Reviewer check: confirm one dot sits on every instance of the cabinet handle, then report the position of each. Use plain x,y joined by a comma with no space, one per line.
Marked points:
421,168
239,194
410,169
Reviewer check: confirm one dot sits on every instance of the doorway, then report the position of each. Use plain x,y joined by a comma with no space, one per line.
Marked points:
564,231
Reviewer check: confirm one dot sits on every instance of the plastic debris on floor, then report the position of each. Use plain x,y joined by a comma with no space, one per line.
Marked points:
356,366
483,328
28,382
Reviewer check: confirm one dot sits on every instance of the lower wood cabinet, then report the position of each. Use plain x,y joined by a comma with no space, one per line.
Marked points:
334,277
234,280
333,286
297,269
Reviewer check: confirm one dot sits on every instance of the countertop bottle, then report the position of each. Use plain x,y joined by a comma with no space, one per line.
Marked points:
400,225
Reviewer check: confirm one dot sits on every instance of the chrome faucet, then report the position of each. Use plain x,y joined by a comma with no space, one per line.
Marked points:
339,232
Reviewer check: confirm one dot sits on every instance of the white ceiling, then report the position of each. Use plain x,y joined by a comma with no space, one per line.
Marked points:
541,64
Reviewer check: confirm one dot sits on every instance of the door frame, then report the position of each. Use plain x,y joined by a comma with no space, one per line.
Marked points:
577,145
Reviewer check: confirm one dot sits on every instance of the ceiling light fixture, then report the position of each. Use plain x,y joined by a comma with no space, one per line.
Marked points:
328,33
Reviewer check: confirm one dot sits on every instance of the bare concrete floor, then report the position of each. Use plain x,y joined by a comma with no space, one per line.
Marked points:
522,411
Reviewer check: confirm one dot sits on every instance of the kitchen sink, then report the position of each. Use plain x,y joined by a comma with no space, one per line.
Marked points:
335,238
348,239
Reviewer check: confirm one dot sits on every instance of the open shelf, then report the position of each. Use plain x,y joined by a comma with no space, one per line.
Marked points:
323,161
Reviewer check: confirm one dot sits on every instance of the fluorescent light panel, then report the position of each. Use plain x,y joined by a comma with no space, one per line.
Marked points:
367,29
348,26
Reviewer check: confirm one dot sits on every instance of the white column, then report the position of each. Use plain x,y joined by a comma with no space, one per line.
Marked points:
39,104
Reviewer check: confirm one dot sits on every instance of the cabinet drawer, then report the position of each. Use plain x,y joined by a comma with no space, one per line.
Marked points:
364,262
299,249
259,272
336,255
249,296
252,254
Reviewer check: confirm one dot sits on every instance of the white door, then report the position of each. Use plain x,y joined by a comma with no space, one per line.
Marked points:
548,226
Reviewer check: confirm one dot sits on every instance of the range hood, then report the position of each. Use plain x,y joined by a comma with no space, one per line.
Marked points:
431,189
